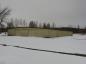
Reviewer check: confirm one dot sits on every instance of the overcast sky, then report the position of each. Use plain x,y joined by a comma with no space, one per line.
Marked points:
62,12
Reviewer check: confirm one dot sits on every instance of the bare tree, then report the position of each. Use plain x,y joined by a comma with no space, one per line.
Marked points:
53,25
33,24
44,26
10,24
78,27
48,25
3,14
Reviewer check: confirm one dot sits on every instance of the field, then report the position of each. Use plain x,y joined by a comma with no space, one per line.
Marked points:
11,54
38,32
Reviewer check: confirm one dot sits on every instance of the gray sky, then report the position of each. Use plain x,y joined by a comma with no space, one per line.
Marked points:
62,12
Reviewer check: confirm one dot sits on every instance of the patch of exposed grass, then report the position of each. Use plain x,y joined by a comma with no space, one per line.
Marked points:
38,32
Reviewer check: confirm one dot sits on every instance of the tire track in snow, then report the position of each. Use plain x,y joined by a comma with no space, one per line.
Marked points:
75,54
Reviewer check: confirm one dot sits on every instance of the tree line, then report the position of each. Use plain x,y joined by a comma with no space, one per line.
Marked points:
32,24
13,23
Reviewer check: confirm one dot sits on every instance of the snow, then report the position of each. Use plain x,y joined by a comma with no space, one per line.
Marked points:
4,24
10,55
67,44
4,34
80,36
70,44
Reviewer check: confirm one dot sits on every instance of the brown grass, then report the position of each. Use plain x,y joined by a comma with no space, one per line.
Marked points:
38,32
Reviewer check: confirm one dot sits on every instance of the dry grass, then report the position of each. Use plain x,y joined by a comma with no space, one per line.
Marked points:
38,32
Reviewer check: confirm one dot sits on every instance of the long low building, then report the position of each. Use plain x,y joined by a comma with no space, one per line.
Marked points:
38,32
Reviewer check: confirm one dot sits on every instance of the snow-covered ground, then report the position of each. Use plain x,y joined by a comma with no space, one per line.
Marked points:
3,34
70,44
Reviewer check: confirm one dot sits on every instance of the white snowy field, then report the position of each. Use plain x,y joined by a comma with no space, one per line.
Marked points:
70,44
